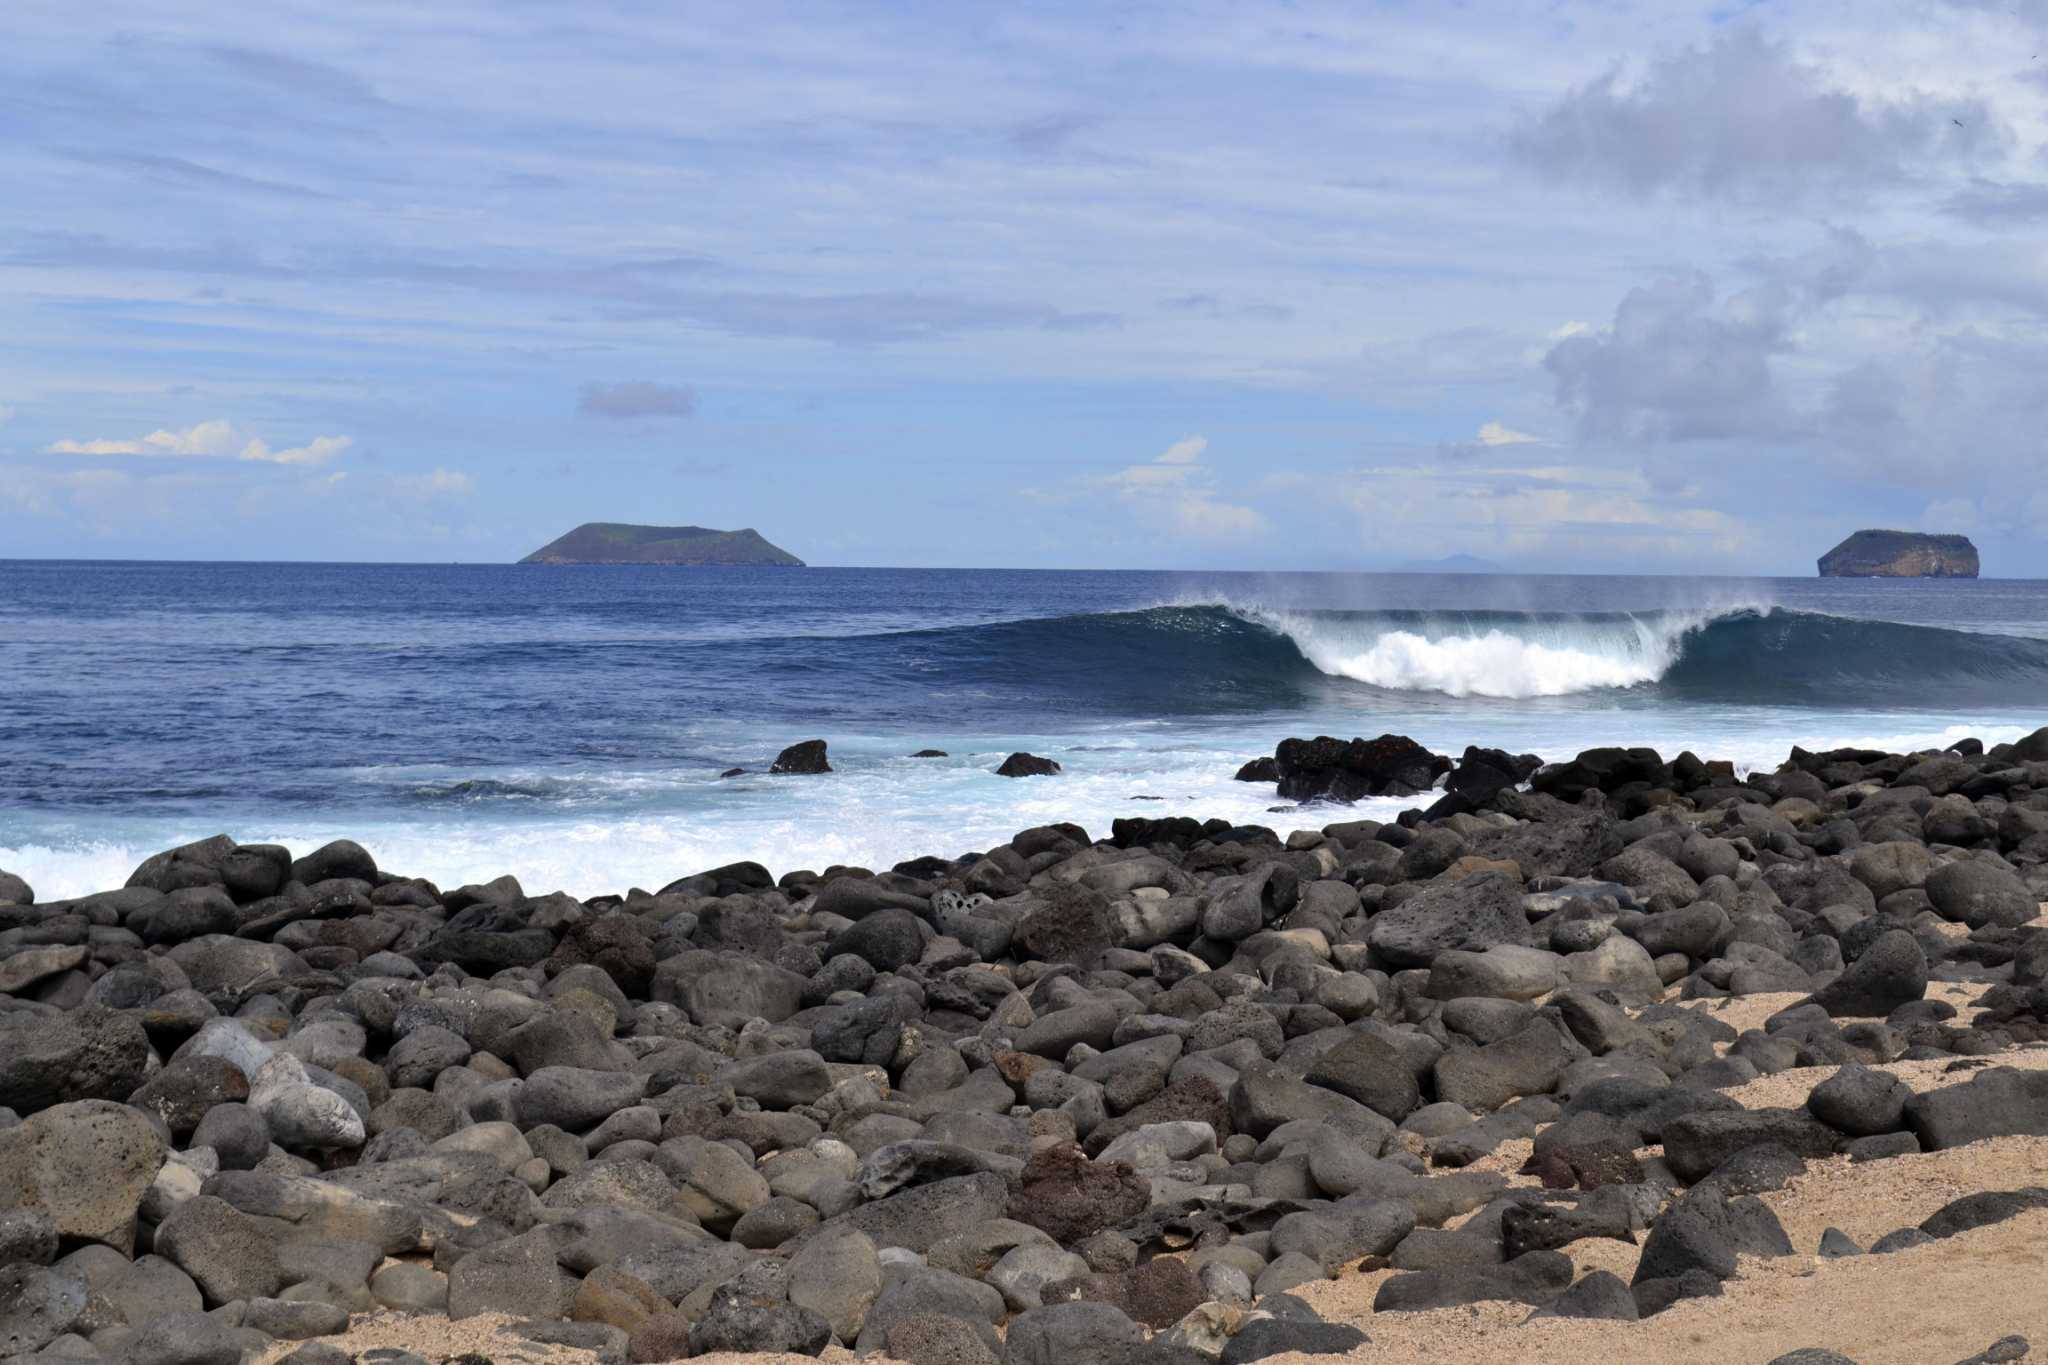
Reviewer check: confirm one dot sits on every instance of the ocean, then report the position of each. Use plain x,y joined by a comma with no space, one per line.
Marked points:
569,725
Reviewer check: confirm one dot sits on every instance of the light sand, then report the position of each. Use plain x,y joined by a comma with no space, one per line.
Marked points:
1745,1012
1789,1089
1922,1307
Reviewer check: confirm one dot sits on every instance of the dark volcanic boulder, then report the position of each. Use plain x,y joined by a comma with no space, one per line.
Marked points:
740,1322
923,1215
1072,1334
806,757
1027,765
1979,893
1694,1144
37,1306
1074,924
1330,769
1365,1069
1860,1102
1476,913
91,1053
1482,772
342,858
1891,972
1260,770
194,864
1998,1103
1601,770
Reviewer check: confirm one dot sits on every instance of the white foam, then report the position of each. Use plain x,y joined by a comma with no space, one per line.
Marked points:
872,814
1538,658
880,809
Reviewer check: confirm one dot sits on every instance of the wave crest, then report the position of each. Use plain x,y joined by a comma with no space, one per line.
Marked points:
1531,657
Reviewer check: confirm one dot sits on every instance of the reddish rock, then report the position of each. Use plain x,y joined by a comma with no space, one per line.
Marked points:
1066,1196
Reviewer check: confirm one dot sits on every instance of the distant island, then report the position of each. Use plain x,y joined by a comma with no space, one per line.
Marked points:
613,542
1900,554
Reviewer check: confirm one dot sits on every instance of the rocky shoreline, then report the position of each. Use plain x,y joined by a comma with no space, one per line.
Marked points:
1146,1095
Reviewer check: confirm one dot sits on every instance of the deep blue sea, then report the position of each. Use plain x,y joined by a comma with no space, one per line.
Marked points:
569,724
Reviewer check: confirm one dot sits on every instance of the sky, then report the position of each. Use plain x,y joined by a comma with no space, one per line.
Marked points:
1591,287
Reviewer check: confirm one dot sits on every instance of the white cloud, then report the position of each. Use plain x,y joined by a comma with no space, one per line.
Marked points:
6,414
217,439
451,483
1178,489
1496,434
317,451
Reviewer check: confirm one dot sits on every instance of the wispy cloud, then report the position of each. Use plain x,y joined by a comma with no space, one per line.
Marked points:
217,439
437,483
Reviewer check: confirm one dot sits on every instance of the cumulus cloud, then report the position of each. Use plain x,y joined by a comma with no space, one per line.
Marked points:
636,398
437,483
1906,366
1679,363
1179,489
218,439
1743,118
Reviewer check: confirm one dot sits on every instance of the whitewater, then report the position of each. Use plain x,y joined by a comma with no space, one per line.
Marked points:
570,726
1536,657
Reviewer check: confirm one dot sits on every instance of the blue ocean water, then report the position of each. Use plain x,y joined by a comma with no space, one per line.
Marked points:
569,724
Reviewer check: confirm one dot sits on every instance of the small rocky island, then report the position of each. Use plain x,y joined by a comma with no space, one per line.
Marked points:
612,542
1900,554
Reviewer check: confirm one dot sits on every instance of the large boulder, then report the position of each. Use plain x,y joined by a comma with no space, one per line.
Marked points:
301,1115
1996,1103
837,1275
91,1053
1528,1062
1330,769
84,1165
1601,770
1065,1195
806,756
1890,972
1476,913
919,1217
728,988
1978,893
222,1249
38,1304
1072,1334
1366,1069
517,1276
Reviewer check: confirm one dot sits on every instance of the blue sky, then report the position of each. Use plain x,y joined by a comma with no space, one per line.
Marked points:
1600,286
